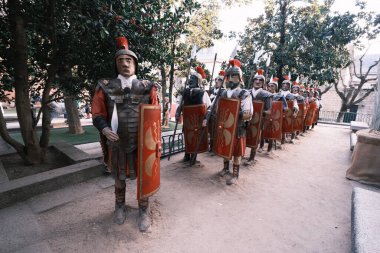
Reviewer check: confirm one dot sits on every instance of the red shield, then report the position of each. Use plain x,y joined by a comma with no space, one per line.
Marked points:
254,126
298,123
149,150
225,129
316,116
273,123
288,120
193,116
310,114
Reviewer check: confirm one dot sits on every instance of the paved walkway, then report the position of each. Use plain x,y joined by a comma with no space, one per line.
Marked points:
298,200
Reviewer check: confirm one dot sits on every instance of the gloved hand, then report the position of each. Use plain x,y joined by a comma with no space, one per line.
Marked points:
107,132
204,123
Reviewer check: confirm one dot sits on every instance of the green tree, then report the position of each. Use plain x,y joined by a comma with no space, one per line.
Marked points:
308,40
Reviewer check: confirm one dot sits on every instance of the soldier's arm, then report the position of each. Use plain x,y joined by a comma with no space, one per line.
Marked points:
246,106
99,110
206,100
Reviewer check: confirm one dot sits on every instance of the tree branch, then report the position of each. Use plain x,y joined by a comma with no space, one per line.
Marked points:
327,89
364,96
341,95
8,139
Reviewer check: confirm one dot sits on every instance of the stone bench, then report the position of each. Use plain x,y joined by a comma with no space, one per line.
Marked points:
353,140
365,220
358,125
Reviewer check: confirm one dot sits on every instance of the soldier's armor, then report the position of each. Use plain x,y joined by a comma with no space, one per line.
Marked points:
264,96
127,104
193,96
241,94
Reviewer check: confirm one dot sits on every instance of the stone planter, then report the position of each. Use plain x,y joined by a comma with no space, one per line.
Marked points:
365,166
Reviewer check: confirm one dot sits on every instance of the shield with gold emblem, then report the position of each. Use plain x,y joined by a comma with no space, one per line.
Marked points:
298,123
149,150
316,116
310,114
254,126
272,128
288,119
225,129
193,116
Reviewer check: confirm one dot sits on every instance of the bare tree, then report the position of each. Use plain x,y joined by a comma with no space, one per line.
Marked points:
353,94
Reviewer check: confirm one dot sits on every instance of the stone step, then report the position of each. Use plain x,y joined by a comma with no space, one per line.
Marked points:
365,220
27,187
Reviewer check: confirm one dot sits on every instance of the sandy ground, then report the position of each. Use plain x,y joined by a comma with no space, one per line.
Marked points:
298,200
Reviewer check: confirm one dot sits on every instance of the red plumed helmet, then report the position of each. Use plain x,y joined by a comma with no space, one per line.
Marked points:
121,43
122,48
286,79
201,72
259,75
235,62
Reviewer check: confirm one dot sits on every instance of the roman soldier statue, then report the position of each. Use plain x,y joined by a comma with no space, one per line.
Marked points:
214,91
218,84
126,111
194,106
291,113
234,110
262,102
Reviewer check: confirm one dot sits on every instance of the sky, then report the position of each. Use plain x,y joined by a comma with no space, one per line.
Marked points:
235,18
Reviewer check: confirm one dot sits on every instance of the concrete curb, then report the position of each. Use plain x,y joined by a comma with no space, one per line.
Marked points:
26,187
365,221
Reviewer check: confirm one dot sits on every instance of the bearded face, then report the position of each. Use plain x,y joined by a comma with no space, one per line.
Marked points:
193,81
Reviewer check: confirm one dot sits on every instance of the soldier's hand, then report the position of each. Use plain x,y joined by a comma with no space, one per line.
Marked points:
107,132
204,123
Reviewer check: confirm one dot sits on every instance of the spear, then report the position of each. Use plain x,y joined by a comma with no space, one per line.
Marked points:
212,73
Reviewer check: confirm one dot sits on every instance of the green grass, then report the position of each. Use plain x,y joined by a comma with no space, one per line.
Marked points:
91,134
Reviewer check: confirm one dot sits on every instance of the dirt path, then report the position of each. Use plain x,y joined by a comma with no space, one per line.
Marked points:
296,201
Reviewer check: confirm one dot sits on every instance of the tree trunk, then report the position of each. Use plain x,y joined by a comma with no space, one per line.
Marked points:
52,71
171,73
72,112
343,108
71,106
163,83
31,153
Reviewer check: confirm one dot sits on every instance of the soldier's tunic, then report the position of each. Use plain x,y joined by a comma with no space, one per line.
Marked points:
245,107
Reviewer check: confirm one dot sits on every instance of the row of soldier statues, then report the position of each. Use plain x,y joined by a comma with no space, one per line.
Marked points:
237,118
127,113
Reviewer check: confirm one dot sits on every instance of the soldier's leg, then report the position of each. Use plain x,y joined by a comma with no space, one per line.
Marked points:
186,158
226,168
261,145
144,221
283,139
251,158
120,209
235,173
270,146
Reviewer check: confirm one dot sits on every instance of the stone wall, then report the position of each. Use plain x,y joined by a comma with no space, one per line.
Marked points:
332,102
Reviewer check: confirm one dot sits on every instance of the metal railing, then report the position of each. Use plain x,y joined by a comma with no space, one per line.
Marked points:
345,118
179,144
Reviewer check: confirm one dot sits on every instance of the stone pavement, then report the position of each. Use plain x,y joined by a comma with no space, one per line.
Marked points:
285,203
